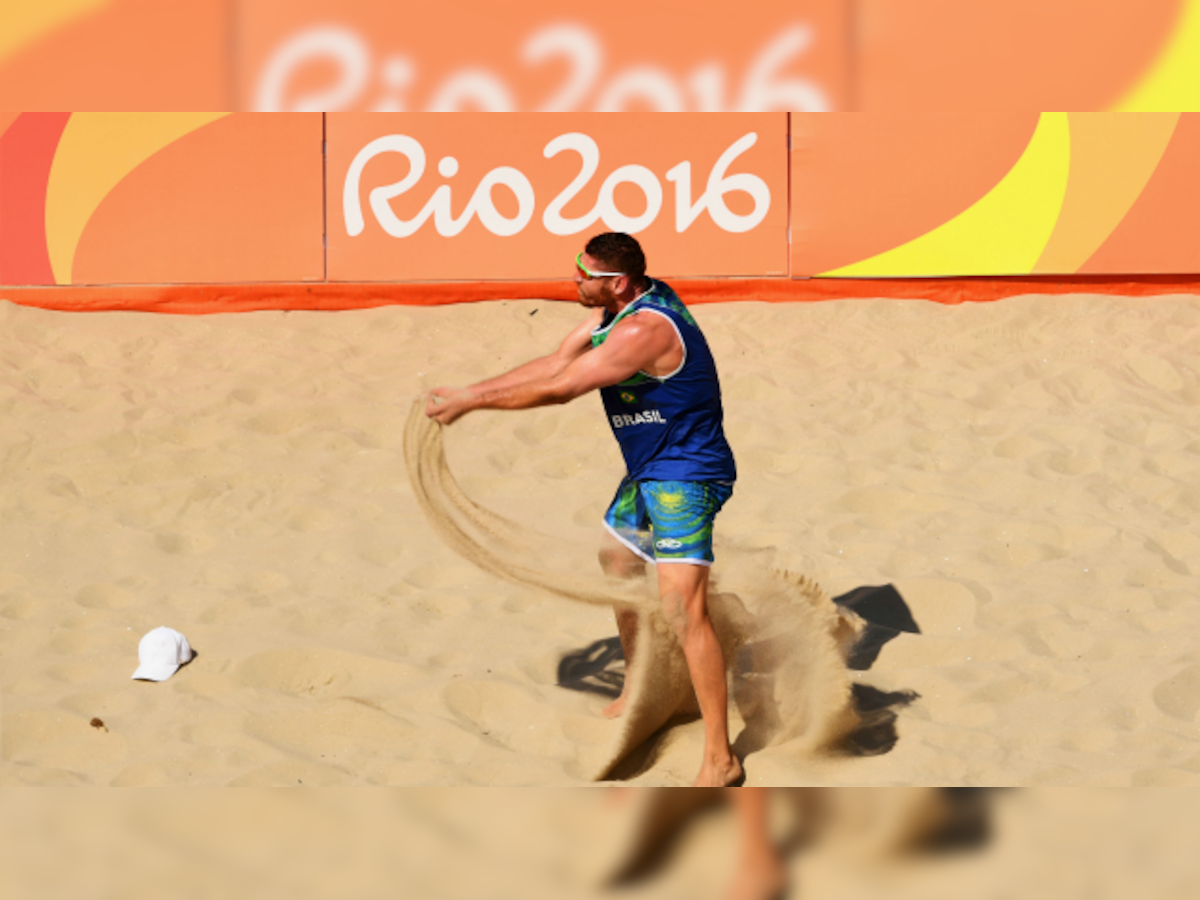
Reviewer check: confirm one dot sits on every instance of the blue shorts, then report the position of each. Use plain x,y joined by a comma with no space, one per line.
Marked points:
667,521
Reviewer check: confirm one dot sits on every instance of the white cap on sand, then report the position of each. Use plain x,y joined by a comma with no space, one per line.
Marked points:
161,652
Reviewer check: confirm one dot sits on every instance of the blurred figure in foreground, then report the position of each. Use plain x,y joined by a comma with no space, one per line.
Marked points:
861,826
760,874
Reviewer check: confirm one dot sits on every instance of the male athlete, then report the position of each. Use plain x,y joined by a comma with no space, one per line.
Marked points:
643,351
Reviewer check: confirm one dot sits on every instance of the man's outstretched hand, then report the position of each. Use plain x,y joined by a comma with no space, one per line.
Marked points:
445,405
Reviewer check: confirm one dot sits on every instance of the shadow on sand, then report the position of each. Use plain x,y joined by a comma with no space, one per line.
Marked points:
599,668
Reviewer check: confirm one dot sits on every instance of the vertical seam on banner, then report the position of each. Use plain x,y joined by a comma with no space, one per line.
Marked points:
790,251
325,197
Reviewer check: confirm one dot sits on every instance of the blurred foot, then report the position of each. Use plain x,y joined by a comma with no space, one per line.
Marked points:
724,773
761,878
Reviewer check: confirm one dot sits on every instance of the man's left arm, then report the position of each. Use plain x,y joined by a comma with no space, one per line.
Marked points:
633,346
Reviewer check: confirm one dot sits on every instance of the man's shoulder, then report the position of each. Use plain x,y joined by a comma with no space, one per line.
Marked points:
663,295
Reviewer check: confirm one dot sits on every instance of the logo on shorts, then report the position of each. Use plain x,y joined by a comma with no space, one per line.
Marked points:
668,544
628,397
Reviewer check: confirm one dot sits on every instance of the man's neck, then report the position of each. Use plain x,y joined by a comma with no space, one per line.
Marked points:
631,295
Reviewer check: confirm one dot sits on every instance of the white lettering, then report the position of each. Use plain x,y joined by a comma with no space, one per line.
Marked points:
589,155
359,77
713,198
647,83
649,417
607,204
352,202
341,46
439,207
761,93
584,58
606,207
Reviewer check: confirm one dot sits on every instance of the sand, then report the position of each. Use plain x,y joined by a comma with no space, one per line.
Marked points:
1024,471
1082,844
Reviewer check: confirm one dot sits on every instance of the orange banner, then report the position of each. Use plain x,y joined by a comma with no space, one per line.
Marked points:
948,195
428,197
220,198
130,55
532,55
152,198
1025,55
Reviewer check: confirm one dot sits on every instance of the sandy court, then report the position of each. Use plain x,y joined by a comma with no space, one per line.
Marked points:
1026,472
1083,844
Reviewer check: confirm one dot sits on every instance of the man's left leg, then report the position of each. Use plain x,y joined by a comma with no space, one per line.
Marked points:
618,561
683,588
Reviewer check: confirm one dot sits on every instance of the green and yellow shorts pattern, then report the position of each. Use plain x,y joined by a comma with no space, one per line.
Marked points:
667,521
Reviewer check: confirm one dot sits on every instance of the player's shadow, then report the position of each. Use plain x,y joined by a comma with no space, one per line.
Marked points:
887,616
598,668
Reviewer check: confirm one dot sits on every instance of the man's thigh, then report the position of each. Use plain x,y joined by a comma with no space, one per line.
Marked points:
682,515
628,523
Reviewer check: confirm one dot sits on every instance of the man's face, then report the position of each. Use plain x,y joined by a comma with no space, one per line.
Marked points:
593,292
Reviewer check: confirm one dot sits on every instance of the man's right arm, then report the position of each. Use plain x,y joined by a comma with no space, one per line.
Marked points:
578,342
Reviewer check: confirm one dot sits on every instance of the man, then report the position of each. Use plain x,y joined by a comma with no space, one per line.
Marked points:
643,351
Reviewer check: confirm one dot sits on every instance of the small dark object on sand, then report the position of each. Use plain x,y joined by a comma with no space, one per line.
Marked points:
99,725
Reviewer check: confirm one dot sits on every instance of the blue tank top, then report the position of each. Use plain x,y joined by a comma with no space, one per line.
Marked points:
670,428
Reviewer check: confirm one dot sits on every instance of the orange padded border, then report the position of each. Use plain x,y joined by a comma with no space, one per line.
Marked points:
206,299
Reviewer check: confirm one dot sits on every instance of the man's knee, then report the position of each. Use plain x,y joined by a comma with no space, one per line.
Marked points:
684,600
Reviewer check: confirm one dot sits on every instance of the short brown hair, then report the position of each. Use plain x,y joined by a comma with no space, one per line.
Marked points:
618,252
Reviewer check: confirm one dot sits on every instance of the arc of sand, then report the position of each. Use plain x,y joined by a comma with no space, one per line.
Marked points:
662,688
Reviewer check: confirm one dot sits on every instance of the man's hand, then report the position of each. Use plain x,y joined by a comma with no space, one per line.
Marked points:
446,405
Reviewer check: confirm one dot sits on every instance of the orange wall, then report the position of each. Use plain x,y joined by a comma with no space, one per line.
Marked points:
254,198
528,55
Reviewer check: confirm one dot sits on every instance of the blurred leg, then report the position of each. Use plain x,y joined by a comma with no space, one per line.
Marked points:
760,873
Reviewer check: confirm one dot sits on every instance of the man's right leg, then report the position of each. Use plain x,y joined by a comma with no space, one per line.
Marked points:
618,561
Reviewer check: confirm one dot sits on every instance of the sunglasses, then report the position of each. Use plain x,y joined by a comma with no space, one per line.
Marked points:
589,274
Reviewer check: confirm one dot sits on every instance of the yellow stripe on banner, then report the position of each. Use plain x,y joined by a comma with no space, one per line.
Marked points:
1173,82
24,21
1004,233
1113,158
96,152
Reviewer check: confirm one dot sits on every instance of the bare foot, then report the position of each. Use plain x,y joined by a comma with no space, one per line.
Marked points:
614,709
719,774
761,878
